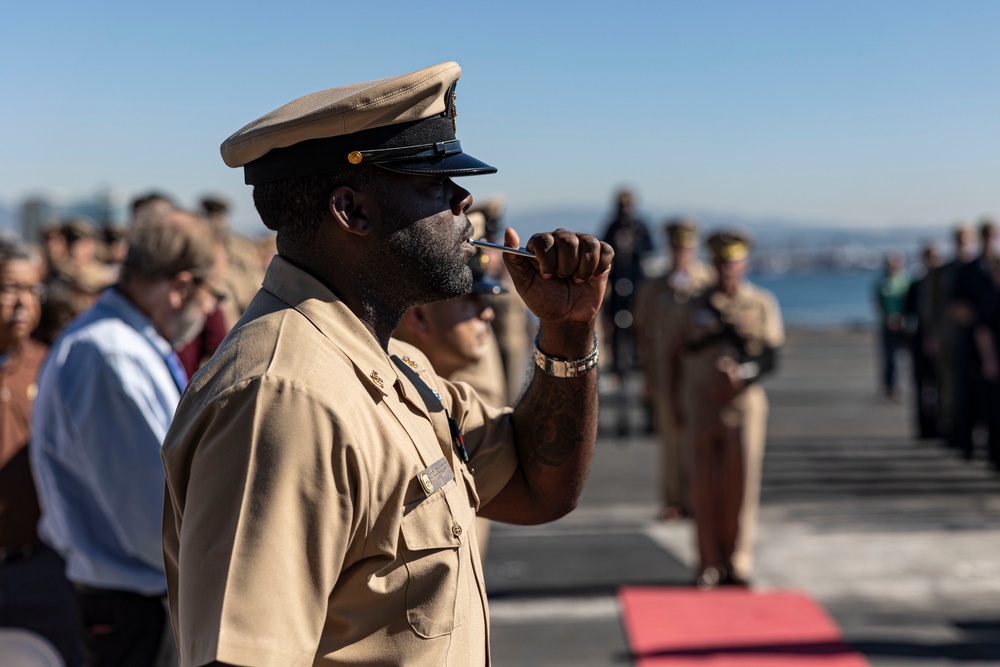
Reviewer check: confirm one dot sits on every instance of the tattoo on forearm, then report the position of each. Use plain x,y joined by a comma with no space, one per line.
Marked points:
555,437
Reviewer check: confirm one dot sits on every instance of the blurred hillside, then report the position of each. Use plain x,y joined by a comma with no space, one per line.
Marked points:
782,245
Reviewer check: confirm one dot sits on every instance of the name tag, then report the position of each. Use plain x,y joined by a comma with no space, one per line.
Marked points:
437,475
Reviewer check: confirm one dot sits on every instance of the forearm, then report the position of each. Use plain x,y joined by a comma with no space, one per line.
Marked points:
555,423
555,427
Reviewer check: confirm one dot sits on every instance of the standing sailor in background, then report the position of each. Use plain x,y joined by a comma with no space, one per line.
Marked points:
977,372
628,235
890,295
658,304
727,341
923,348
943,333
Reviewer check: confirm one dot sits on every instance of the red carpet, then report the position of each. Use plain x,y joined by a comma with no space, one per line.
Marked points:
686,627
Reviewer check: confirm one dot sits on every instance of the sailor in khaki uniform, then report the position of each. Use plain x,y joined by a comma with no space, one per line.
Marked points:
659,303
322,480
726,344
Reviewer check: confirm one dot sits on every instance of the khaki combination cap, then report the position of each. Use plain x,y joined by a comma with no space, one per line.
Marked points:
729,245
682,232
403,123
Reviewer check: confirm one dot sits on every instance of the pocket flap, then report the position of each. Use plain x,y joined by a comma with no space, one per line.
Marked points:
429,523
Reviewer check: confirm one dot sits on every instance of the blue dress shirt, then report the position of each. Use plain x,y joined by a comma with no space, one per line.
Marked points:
105,400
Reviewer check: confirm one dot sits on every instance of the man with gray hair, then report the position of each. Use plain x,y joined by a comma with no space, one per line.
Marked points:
106,396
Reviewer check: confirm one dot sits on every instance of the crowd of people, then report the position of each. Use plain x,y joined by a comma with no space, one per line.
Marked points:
101,329
947,315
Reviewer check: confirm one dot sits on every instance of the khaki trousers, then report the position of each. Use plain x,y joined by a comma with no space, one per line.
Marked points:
674,464
726,450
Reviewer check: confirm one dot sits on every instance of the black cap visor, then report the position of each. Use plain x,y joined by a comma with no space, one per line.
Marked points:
486,285
456,164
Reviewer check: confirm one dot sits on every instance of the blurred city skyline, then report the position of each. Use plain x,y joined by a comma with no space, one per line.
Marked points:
853,114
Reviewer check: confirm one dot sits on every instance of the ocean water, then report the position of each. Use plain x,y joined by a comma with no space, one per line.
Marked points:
823,298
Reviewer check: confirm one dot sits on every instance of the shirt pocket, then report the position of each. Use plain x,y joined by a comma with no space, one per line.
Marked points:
438,566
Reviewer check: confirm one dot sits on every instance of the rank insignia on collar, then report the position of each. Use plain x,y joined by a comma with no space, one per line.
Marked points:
377,380
409,362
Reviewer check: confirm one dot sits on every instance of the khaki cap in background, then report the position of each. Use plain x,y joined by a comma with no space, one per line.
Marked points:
478,221
682,232
492,209
729,245
403,123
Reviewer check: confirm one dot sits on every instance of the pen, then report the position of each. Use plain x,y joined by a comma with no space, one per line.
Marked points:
456,438
524,252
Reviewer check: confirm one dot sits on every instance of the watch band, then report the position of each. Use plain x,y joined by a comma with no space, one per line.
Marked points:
562,368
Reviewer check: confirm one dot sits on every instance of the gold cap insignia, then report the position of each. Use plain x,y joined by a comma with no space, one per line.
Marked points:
355,157
733,252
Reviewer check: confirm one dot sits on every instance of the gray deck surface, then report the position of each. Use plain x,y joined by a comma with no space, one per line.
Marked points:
896,538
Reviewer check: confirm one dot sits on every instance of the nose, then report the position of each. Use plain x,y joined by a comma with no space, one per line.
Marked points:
487,314
461,199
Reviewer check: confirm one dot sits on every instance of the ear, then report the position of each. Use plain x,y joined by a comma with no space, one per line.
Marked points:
416,320
351,210
180,288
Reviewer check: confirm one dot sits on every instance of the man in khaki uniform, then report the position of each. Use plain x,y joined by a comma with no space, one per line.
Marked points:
457,338
511,322
322,480
659,303
725,344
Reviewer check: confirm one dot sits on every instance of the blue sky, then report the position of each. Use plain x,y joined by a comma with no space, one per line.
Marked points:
864,113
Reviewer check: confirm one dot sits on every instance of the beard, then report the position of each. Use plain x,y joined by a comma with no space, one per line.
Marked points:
188,324
423,266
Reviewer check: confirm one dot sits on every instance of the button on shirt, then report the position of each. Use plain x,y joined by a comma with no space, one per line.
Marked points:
297,531
105,400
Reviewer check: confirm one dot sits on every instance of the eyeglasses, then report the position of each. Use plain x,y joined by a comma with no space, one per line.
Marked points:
216,294
10,291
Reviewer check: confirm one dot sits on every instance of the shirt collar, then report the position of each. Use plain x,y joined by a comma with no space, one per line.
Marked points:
317,303
113,300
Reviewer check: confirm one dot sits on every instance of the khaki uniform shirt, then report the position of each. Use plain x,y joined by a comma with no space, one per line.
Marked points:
296,531
514,332
244,273
658,305
486,376
707,391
